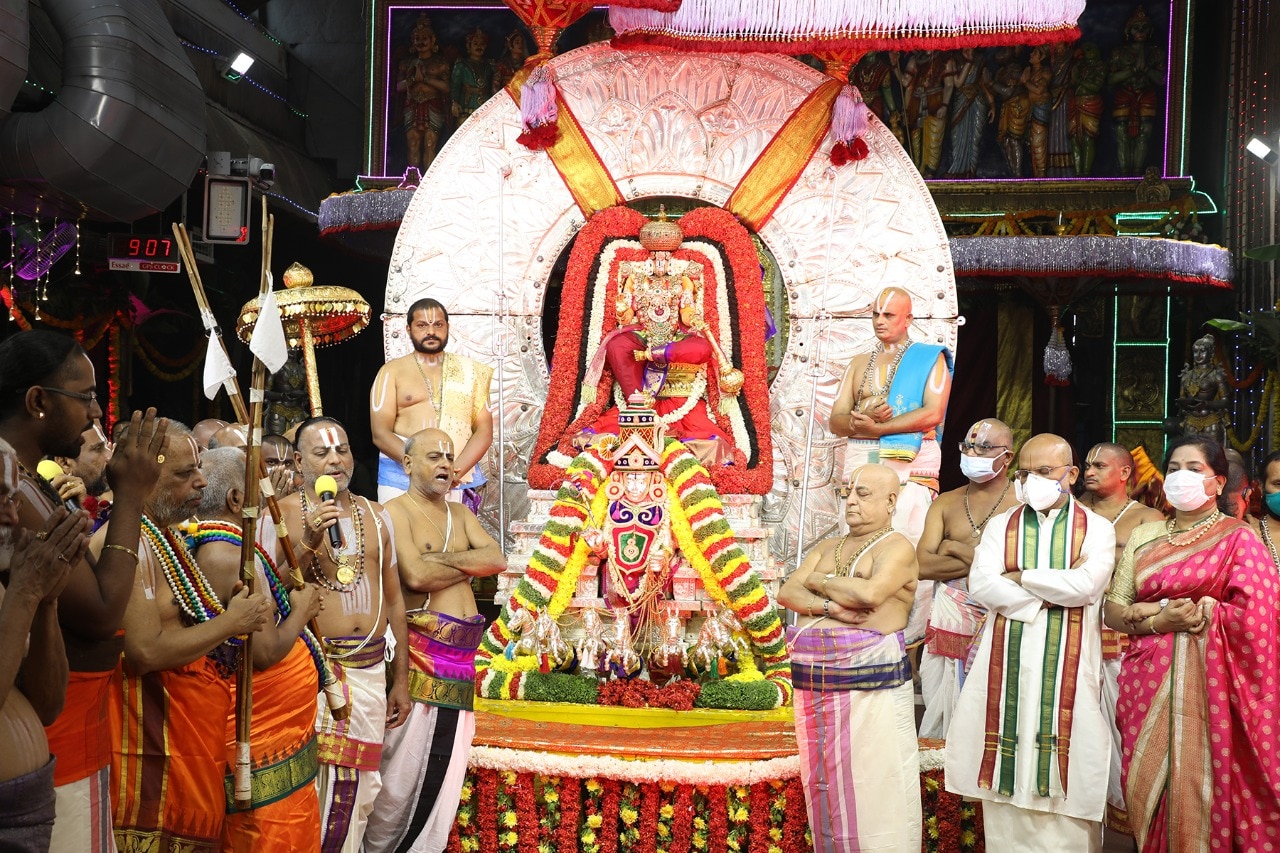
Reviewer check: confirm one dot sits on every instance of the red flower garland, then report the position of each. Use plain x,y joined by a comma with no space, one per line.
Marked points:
759,818
487,791
679,695
796,819
682,824
714,224
609,815
717,817
650,802
566,839
527,814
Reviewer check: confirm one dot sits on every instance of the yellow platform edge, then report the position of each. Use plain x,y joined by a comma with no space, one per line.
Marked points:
626,718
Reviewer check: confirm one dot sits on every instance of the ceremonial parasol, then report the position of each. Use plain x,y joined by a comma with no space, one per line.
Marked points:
313,316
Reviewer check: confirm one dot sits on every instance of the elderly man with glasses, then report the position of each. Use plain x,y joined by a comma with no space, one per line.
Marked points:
1028,736
952,529
47,402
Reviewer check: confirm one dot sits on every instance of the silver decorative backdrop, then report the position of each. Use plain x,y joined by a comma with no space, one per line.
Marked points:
688,126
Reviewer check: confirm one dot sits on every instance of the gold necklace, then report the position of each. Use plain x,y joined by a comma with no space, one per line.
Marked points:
978,528
436,402
1266,537
346,575
445,534
1204,525
843,571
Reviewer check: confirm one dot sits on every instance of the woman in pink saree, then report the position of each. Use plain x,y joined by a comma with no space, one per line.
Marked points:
1198,712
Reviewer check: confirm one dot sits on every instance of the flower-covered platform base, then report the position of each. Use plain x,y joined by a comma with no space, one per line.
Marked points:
655,781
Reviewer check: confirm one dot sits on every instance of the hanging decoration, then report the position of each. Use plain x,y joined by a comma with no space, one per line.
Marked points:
848,124
533,87
783,26
1057,358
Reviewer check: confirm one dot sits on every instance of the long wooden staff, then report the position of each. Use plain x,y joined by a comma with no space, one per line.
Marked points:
248,536
333,688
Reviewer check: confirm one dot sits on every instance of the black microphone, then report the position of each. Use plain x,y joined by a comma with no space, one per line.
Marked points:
326,489
51,470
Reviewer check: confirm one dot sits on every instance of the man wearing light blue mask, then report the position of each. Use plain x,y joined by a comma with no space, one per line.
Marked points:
1040,766
952,530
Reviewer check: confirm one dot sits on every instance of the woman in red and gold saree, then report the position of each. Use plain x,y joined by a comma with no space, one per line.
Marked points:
1198,712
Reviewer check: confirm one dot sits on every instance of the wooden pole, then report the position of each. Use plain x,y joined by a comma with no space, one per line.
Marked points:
332,687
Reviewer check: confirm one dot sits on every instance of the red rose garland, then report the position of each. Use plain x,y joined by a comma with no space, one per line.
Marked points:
795,821
760,814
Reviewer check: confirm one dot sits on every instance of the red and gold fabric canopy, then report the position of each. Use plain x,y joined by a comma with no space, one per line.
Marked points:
811,26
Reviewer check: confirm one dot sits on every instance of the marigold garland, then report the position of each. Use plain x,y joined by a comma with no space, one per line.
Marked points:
705,538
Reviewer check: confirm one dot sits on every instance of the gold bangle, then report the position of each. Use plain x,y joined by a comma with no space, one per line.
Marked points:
1151,623
129,551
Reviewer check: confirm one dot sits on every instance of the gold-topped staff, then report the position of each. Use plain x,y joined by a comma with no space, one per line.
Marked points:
313,316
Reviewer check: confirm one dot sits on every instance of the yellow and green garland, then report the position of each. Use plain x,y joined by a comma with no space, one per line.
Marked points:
703,534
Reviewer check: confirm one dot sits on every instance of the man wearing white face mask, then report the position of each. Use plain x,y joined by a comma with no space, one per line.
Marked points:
1028,729
952,529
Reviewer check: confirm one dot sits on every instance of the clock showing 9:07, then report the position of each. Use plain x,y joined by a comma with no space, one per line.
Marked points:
144,252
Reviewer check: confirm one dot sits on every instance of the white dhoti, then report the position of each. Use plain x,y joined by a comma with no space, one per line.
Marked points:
908,515
422,769
1117,814
1007,827
350,751
954,621
856,734
81,825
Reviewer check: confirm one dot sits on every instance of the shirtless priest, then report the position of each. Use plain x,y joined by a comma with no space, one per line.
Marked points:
361,574
1108,476
424,762
854,705
952,529
431,388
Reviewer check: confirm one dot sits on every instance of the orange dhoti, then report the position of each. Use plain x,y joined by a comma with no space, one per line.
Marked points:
81,740
168,765
286,810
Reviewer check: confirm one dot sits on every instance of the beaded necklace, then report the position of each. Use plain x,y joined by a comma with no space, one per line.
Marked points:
978,528
1266,537
843,571
195,596
867,374
222,531
347,576
1204,525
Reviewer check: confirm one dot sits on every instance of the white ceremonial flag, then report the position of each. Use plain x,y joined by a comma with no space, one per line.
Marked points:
268,342
217,367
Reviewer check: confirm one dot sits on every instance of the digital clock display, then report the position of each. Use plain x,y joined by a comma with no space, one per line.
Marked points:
143,247
143,253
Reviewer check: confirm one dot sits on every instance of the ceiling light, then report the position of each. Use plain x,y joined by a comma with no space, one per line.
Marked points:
1263,150
235,68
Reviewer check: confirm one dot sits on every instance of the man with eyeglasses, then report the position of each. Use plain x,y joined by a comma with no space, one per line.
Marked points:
47,401
952,530
33,664
1109,474
431,389
1029,737
890,405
